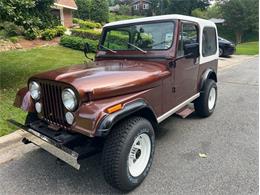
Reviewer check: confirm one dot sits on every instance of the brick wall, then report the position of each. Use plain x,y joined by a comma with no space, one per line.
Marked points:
67,13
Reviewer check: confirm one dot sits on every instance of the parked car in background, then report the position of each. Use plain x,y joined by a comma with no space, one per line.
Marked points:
226,48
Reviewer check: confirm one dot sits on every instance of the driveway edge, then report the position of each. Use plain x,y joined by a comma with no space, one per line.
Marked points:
11,138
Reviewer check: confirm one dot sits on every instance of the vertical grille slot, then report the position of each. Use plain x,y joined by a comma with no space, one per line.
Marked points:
52,103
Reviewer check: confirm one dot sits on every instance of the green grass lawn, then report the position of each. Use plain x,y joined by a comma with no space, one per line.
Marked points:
17,66
250,48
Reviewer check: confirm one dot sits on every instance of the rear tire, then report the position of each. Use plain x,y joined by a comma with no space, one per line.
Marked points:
128,153
205,104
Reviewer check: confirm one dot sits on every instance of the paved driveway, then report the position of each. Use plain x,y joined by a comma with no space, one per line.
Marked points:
229,138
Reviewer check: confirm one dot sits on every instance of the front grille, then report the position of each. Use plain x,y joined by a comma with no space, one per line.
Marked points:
52,103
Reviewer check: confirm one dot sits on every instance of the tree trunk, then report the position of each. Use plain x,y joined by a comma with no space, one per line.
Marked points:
238,37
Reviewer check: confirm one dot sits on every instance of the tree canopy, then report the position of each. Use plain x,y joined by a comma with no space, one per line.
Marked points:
240,15
83,11
186,7
28,13
99,11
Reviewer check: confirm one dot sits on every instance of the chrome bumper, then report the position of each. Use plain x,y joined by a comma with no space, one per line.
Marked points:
63,153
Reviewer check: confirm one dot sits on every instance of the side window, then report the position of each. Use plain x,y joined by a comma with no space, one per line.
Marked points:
188,34
209,42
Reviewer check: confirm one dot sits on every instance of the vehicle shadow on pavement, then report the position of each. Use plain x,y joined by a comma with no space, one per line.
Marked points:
46,175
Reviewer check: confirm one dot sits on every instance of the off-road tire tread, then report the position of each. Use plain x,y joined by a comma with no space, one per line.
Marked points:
201,104
112,153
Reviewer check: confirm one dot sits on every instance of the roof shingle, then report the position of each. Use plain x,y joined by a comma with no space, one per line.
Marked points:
66,3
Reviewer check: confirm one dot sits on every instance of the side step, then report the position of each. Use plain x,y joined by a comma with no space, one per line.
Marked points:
185,112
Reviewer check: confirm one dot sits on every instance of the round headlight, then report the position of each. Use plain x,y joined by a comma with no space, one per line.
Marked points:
69,99
35,90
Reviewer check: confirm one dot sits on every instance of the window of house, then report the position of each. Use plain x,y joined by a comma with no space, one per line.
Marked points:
145,6
136,7
209,41
188,34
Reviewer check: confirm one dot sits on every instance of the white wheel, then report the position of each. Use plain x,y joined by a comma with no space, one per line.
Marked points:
212,98
139,155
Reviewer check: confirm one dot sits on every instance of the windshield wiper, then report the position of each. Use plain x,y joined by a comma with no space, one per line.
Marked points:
107,49
138,48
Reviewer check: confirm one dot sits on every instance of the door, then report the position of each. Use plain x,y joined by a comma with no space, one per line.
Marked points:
186,70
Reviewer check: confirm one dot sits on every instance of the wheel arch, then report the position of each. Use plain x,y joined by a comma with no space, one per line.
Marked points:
136,108
208,74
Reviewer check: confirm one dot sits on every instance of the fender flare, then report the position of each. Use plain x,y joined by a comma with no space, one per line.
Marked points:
208,74
106,124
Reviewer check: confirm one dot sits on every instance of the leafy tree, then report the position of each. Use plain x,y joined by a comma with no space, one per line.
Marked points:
240,16
31,14
99,11
124,9
213,11
186,6
83,11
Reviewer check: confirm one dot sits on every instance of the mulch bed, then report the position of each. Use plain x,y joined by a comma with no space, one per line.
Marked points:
6,45
26,44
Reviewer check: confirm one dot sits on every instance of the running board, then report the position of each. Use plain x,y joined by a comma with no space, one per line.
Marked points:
185,111
177,108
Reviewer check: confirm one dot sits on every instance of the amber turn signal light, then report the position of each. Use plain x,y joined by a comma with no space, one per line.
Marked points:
114,108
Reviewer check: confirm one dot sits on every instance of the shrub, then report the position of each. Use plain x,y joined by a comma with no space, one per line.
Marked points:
86,24
11,29
31,34
114,17
30,14
50,34
14,39
86,33
60,30
78,42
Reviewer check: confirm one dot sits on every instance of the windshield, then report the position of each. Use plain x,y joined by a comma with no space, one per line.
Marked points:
139,37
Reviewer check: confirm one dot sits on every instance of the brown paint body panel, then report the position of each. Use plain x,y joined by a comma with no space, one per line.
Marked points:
110,81
109,78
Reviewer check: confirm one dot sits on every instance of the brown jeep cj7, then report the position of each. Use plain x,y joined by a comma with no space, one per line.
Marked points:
144,71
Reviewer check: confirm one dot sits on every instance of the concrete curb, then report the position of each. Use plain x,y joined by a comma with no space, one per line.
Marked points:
11,138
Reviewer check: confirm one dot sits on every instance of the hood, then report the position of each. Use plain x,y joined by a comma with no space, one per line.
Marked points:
109,78
224,41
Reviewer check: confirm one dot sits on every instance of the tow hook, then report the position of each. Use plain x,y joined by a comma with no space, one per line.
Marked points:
26,141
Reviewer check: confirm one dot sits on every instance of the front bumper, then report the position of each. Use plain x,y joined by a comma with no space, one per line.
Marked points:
54,146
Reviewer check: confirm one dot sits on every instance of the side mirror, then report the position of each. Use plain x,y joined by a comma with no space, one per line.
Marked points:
191,50
86,50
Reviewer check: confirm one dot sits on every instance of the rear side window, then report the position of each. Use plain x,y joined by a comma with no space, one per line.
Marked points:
188,35
209,42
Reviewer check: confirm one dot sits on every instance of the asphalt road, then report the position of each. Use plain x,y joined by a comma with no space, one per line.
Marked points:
229,138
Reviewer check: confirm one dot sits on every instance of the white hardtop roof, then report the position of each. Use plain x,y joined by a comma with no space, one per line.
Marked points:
200,21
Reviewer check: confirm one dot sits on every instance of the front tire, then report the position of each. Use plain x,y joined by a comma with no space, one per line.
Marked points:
206,103
128,153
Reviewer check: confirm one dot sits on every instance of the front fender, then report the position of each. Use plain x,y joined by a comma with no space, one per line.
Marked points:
24,101
108,121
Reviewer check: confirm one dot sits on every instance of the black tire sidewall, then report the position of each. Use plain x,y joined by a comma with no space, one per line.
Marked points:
221,54
127,179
